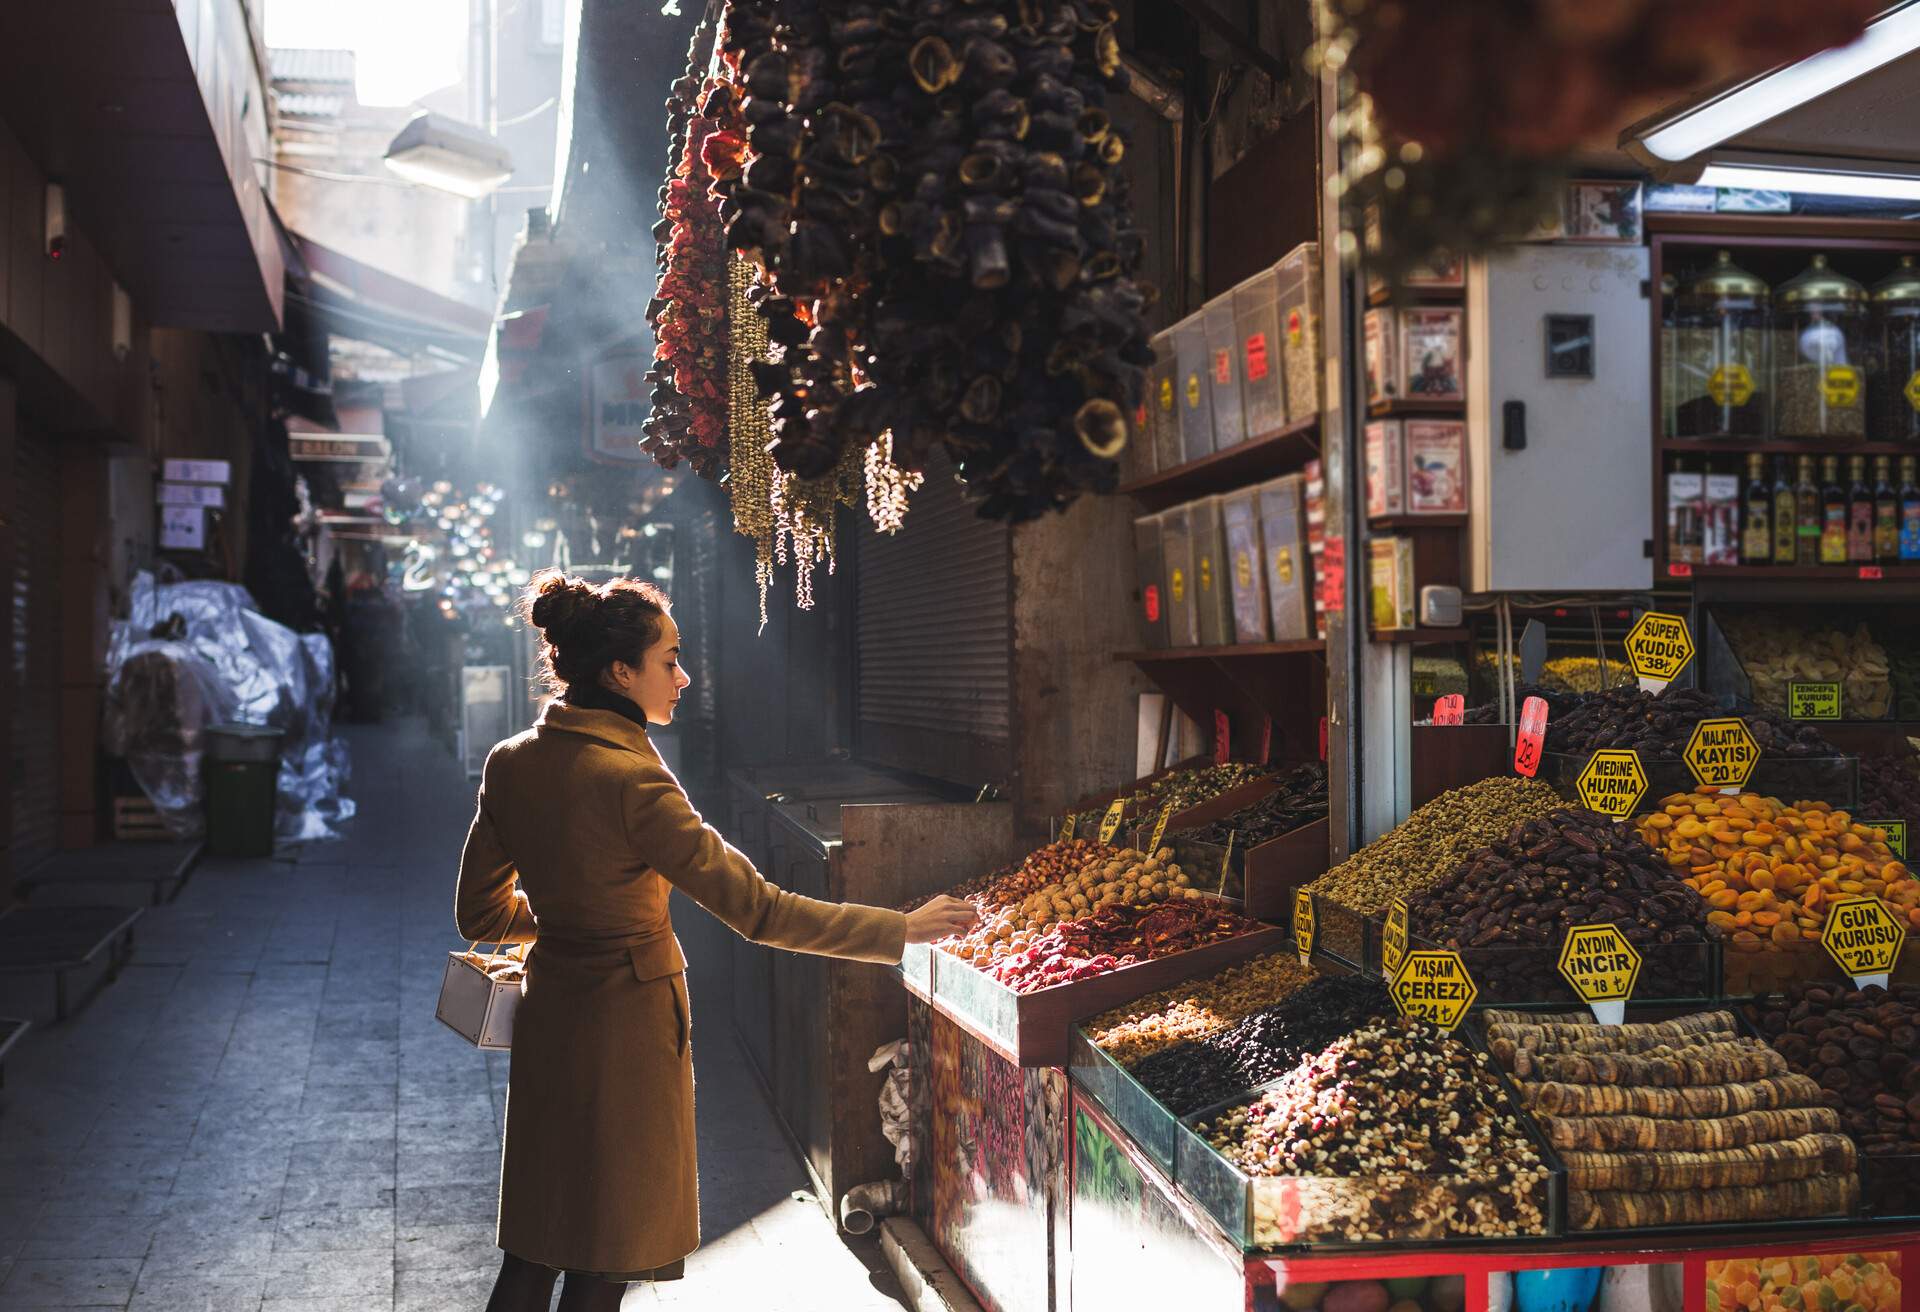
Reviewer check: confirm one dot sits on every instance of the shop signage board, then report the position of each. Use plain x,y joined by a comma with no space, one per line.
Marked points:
1110,823
1433,986
1613,782
1864,938
183,528
196,471
1658,647
212,495
1721,753
1602,967
618,402
1393,938
1813,701
1304,924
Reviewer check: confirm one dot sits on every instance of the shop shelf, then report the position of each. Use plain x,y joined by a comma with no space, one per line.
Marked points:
1144,1117
1031,1029
1414,408
1240,651
1832,779
1262,456
1417,521
1420,635
1710,446
1507,975
1267,1212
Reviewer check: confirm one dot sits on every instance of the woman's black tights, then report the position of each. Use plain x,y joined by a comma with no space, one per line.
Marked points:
524,1286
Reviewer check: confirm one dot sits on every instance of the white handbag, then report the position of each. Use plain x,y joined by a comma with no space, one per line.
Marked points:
480,993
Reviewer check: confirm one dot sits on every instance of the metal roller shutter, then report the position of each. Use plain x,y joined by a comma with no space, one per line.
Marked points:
34,658
934,637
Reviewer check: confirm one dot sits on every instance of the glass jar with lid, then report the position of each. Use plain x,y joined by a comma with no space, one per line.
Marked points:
1819,374
1723,318
1893,381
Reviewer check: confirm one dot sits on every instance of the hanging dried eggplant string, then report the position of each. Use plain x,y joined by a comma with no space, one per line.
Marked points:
667,420
691,334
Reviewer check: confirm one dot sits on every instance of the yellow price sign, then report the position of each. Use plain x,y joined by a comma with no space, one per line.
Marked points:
1912,390
1721,753
1393,938
1864,938
1813,701
1304,923
1433,986
1613,782
1841,385
1193,391
1730,384
1160,828
1166,394
1601,966
1110,823
1659,647
1066,830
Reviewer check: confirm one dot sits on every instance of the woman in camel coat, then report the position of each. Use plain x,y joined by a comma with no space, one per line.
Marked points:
580,834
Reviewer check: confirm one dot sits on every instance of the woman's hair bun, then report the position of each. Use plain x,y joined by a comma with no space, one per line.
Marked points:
561,603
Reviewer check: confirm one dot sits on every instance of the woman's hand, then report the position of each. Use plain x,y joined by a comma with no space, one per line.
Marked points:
940,917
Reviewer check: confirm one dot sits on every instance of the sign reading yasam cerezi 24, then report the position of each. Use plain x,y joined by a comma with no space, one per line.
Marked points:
1721,753
1433,986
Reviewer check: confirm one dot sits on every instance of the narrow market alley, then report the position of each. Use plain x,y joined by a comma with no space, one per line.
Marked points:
262,1112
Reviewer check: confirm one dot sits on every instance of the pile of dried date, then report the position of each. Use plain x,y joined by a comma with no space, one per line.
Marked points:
1119,936
1863,1047
1658,725
1571,867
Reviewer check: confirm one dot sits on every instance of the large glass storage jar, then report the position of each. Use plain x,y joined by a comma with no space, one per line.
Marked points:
1669,356
1819,374
1893,383
1722,344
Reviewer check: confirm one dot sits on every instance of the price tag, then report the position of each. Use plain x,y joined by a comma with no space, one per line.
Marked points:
1393,938
1266,739
1721,753
1150,596
1222,738
1257,358
1872,572
1813,701
1602,967
1110,823
1612,782
1433,986
1730,384
1159,828
1066,830
1223,365
1841,386
1659,646
1896,835
1679,569
1864,938
1533,736
1304,925
1450,709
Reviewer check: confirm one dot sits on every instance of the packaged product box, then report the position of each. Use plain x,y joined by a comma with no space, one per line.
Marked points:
1212,597
1195,397
1246,571
1382,332
1390,583
1430,365
1256,319
1176,542
1386,468
1223,372
1720,520
1299,299
1436,478
1150,578
1686,513
1283,537
1163,403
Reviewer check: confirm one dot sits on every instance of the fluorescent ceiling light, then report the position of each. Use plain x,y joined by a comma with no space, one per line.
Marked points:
1773,94
1888,186
440,152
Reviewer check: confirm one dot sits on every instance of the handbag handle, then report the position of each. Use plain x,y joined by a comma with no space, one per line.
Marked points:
506,949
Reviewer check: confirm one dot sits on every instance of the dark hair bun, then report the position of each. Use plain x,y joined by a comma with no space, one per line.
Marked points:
561,604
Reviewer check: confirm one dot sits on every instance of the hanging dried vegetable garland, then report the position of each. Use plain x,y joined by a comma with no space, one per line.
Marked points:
669,426
934,191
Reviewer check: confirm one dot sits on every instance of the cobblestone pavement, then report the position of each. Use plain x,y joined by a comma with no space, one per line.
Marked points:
262,1113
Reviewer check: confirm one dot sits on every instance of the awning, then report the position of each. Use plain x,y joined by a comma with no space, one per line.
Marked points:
366,304
1845,121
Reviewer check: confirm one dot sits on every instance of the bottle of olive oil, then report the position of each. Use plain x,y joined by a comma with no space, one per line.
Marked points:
1833,513
1909,509
1886,512
1806,515
1784,544
1859,512
1756,530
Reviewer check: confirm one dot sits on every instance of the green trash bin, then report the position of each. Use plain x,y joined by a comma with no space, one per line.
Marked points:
243,774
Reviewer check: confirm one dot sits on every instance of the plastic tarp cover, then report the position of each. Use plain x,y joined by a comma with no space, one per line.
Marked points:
195,654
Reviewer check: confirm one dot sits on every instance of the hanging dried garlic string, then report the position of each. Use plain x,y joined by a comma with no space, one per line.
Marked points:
888,485
750,471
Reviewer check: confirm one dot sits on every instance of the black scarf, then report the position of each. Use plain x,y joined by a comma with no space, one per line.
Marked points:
592,697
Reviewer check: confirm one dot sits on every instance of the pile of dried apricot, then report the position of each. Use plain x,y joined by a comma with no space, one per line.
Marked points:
1769,870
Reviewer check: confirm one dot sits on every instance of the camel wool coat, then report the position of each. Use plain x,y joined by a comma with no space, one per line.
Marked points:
580,833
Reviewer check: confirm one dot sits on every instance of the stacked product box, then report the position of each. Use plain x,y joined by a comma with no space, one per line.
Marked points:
1245,562
1415,354
1416,467
1184,593
1150,602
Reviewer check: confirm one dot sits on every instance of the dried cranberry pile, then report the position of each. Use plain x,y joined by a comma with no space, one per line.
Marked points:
1116,937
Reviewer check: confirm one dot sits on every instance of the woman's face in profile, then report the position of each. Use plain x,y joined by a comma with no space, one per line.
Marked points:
655,687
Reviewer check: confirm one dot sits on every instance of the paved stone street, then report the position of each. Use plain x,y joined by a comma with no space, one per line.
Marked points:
263,1113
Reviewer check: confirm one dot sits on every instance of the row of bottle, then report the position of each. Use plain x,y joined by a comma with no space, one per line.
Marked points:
1790,518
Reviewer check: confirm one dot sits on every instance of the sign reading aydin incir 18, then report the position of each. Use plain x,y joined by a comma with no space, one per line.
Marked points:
1658,648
